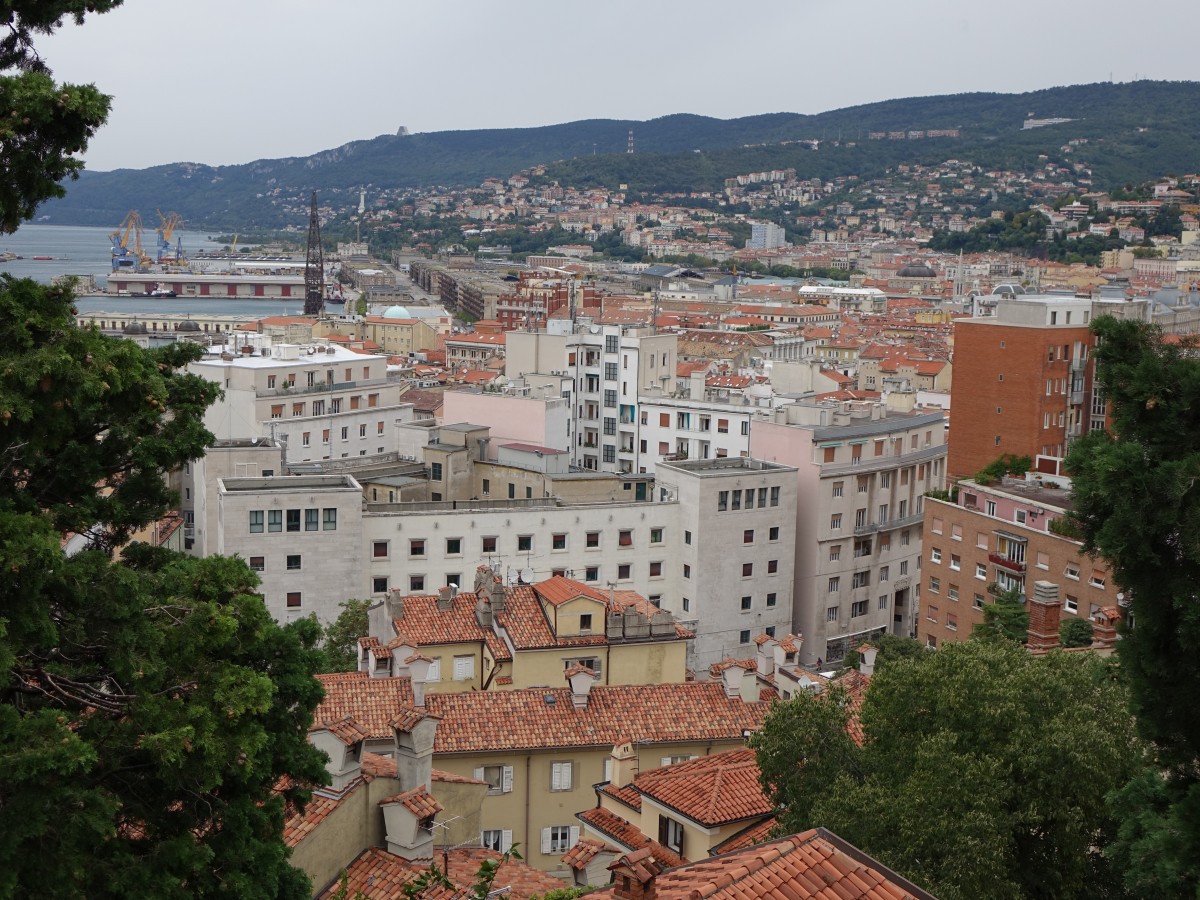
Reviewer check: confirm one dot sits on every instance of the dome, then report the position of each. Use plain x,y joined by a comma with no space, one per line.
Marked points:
187,325
1011,289
916,271
396,312
135,328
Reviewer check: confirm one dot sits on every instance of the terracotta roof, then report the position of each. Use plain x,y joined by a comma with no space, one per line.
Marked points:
627,795
426,625
584,851
373,702
418,801
298,826
476,721
344,729
748,836
559,590
380,875
627,835
814,864
443,777
712,790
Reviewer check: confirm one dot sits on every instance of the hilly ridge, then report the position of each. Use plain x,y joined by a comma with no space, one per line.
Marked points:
1133,132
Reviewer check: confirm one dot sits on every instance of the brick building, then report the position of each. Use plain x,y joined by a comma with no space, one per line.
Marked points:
999,534
1024,381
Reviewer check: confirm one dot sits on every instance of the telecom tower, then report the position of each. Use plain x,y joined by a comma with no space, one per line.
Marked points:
314,266
629,146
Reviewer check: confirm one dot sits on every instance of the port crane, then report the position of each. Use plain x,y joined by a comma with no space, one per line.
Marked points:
124,256
166,229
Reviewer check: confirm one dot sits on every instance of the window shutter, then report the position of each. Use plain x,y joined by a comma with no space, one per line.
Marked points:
479,774
556,774
568,773
505,840
666,761
574,836
506,780
608,768
546,840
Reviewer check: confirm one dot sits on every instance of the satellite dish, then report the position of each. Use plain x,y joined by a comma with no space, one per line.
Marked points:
527,576
595,329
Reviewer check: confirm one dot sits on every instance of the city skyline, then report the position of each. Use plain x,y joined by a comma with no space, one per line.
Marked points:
288,79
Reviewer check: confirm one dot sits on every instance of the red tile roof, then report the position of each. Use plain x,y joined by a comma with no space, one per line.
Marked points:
477,721
345,729
584,851
373,702
628,795
814,864
299,826
418,801
627,835
380,875
752,834
712,790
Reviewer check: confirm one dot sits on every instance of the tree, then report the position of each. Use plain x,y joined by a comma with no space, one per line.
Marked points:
1076,632
1137,503
153,716
339,640
982,774
1004,619
888,647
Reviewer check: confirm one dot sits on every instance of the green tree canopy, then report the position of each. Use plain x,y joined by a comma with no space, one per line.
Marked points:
1004,619
983,772
1137,503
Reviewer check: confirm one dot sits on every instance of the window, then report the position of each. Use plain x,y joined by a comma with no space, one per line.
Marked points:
744,636
453,546
416,547
981,571
329,521
722,426
346,433
274,520
656,569
488,544
277,411
935,555
864,483
860,579
416,583
774,496
835,522
687,571
977,601
512,491
931,613
952,621
592,540
828,454
670,834
747,569
656,535
257,564
499,778
293,520
952,592
591,573
904,566
834,583
746,427
981,540
990,507
524,543
858,608
379,584
722,501
1071,604
883,573
293,562
256,521
773,533
835,552
747,603
831,614
737,500
748,536
464,668
1043,560
558,541
687,537
772,599
935,585
625,538
1098,579
956,532
312,518
623,572
560,776
435,471
1072,571
496,839
883,601
293,599
955,563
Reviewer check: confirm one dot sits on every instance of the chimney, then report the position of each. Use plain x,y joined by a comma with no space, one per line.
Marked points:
1104,627
766,654
445,599
418,672
581,679
634,874
623,762
483,614
497,594
866,659
1044,612
408,823
342,741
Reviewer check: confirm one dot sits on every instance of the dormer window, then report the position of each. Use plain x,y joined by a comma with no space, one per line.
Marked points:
585,622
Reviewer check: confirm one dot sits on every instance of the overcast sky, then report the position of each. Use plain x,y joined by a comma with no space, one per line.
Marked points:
230,81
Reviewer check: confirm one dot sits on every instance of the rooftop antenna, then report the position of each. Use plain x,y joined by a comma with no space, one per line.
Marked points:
314,265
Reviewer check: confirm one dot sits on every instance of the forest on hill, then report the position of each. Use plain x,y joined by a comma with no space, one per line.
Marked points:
1133,132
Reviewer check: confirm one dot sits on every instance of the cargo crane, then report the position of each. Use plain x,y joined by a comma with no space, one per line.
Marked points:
166,229
121,256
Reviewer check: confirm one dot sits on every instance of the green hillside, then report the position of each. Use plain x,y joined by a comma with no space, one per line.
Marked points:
1134,131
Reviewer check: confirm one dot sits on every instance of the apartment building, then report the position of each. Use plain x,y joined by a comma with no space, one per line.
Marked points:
732,571
302,534
609,366
1024,378
862,470
1000,534
678,428
321,401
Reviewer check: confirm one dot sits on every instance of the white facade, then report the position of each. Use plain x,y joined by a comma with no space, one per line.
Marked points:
681,428
862,473
225,459
734,566
321,402
765,236
302,534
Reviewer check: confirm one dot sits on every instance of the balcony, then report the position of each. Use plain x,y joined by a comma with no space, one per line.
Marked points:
868,464
1004,562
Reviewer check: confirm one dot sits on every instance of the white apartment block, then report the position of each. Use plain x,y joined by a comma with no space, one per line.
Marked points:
245,458
765,236
320,402
678,428
302,534
733,575
609,367
862,472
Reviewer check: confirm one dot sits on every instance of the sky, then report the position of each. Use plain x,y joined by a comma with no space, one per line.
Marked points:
231,81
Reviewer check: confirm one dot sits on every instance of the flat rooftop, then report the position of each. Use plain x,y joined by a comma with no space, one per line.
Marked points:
725,465
284,483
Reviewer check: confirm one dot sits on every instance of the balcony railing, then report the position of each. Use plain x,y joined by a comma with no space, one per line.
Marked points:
1004,562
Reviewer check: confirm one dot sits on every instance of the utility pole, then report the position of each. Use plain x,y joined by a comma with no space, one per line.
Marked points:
314,265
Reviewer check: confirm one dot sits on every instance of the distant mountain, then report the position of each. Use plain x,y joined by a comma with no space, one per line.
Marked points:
1133,132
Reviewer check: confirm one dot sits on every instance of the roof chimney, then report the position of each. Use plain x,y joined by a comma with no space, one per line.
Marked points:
581,679
445,598
634,874
623,763
866,659
1044,613
342,741
418,672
